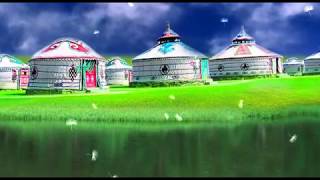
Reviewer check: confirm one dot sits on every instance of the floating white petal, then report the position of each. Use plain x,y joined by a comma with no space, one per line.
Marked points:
96,32
224,20
240,104
94,155
94,106
178,117
293,138
166,115
172,97
71,122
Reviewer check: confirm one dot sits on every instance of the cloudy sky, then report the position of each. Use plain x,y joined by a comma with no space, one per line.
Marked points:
290,29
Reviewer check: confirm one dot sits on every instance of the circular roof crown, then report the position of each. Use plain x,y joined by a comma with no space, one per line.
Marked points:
242,37
168,34
67,48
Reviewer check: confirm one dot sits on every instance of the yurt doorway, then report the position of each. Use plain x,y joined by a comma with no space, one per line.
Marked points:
204,69
91,74
277,65
24,78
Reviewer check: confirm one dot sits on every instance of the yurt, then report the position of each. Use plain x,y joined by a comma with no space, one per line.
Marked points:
293,66
14,74
66,64
118,72
312,64
169,60
243,57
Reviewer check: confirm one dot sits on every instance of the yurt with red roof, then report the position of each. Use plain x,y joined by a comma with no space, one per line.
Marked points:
66,64
244,58
169,60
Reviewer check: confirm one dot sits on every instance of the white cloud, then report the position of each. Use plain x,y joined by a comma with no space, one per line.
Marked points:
113,19
135,21
268,23
217,44
28,45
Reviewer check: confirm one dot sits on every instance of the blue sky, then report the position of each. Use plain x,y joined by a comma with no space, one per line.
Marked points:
130,29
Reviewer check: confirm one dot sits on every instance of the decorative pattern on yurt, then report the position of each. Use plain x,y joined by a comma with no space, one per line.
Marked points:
14,74
169,59
67,64
244,58
118,72
293,66
312,64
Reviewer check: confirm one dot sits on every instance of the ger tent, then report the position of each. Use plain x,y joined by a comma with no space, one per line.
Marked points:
67,63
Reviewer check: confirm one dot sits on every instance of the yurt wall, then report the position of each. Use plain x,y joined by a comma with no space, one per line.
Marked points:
243,66
311,66
293,66
118,76
8,78
56,74
293,69
158,69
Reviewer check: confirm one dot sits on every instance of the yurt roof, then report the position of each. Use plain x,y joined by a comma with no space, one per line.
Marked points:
67,48
243,46
10,61
313,56
294,60
169,45
117,63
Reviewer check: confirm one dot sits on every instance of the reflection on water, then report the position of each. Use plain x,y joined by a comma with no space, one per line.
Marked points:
42,149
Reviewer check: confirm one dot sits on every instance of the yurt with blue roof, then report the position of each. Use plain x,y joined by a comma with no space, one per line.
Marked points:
118,72
14,74
170,60
243,57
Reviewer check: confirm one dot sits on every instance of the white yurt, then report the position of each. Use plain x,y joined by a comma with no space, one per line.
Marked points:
14,74
243,57
312,64
118,72
293,66
170,59
66,63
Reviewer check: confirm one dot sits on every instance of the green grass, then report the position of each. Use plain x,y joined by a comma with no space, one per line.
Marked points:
264,100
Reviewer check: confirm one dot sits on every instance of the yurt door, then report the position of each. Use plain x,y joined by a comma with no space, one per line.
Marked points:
24,78
277,65
204,69
91,78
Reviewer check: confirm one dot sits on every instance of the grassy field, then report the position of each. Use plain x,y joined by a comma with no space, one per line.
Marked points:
225,101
